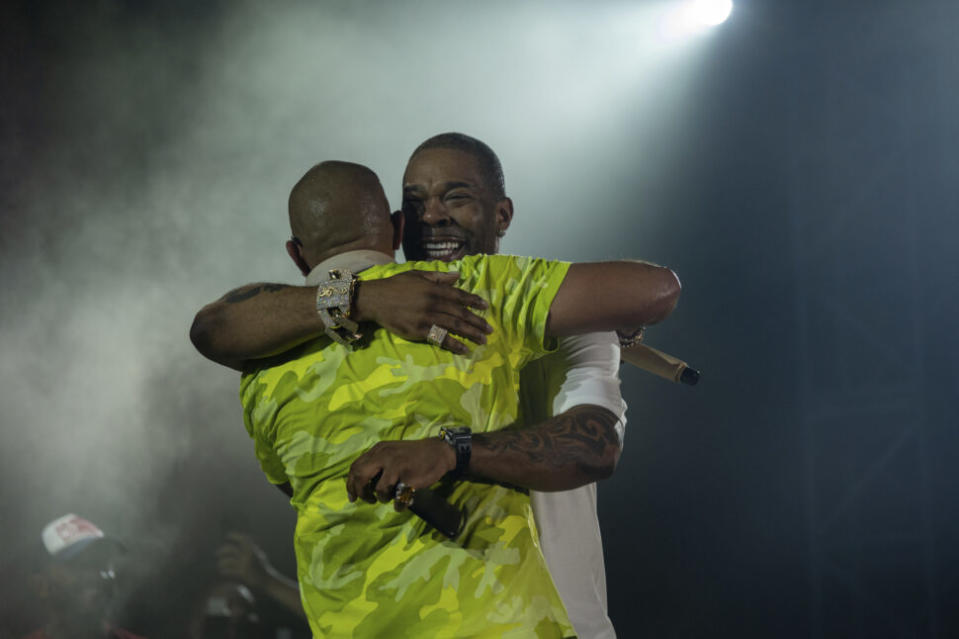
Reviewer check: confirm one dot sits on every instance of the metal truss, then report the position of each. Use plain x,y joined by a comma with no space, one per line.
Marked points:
854,193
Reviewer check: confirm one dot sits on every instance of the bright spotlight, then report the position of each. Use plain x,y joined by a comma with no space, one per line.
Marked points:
693,17
710,12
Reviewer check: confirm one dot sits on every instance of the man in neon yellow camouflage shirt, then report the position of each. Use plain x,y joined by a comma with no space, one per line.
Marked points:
369,570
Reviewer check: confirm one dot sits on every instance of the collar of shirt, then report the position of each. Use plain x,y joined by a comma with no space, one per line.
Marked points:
354,261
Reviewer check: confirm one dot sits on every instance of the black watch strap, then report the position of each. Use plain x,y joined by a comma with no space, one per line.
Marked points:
461,439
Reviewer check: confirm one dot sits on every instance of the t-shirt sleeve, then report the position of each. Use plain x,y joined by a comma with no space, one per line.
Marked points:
590,375
258,417
521,292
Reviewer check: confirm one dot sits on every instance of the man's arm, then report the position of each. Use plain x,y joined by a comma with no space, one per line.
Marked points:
241,559
575,419
260,320
578,445
570,450
604,296
582,444
255,321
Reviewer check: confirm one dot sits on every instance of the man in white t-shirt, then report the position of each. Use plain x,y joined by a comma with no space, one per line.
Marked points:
446,219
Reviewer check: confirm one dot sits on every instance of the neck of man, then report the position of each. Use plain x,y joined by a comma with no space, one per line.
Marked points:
353,261
360,244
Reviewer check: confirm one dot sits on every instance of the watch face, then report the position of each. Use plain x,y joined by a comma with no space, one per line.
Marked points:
453,435
333,294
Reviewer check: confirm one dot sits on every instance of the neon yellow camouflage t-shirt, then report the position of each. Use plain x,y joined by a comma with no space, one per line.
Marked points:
365,570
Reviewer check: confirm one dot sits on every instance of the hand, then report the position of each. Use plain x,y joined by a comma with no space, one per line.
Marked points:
241,559
417,463
408,304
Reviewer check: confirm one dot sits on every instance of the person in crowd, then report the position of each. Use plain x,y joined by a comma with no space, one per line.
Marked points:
239,559
77,583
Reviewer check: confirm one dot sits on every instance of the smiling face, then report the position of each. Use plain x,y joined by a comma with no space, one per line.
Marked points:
451,210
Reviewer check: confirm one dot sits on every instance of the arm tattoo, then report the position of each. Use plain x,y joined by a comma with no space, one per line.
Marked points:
578,437
241,294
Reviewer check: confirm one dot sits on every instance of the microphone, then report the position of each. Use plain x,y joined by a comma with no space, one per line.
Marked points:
431,508
660,363
428,506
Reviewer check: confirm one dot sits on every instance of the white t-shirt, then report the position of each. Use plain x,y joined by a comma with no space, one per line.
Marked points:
584,370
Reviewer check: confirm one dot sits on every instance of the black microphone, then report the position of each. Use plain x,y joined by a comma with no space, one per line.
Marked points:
428,506
431,508
434,510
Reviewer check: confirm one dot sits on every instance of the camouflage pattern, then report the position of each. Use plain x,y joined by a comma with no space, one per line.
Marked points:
366,570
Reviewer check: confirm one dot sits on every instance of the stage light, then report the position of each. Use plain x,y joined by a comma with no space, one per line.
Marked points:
710,12
694,17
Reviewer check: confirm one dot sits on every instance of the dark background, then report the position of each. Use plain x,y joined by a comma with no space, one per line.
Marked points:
796,166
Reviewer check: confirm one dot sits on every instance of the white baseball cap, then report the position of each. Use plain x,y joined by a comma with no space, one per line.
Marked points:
66,536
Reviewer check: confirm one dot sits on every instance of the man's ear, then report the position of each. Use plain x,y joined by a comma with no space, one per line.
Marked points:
295,251
504,215
398,221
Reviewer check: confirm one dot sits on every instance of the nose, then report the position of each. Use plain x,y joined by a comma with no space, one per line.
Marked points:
435,213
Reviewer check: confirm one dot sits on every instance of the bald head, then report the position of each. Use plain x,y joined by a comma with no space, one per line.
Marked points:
339,206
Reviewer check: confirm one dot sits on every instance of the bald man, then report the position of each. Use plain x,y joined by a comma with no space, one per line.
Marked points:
364,568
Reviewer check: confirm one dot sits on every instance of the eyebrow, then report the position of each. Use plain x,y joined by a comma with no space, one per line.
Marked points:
447,186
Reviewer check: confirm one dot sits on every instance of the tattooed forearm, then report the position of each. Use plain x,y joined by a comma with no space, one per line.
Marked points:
583,438
244,293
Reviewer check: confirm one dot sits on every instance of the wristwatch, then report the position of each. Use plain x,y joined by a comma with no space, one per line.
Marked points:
334,298
461,439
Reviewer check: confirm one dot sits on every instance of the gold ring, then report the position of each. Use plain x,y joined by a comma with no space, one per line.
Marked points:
404,494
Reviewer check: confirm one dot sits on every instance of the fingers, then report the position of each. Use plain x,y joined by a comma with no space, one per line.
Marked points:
447,290
379,488
386,488
457,295
227,551
438,277
229,567
454,346
451,313
456,327
393,470
420,300
234,547
239,538
359,482
231,561
463,323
